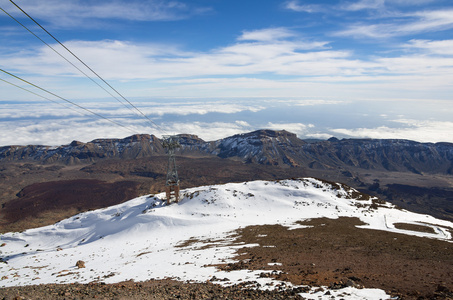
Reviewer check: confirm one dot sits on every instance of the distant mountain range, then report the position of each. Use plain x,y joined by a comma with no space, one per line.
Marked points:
267,147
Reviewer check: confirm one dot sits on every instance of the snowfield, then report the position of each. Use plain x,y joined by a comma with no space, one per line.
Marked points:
144,238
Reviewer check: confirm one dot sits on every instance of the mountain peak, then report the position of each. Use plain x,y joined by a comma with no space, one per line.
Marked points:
76,144
269,133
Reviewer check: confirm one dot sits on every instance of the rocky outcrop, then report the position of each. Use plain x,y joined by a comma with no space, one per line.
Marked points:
263,146
80,264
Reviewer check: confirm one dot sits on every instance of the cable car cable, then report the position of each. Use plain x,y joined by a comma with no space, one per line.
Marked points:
41,96
67,60
69,101
152,122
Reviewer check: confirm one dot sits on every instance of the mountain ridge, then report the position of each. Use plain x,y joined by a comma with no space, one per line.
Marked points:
268,147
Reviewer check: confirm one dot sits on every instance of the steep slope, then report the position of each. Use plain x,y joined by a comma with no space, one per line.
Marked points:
395,155
144,238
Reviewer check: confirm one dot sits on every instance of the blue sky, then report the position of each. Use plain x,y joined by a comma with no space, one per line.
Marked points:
351,69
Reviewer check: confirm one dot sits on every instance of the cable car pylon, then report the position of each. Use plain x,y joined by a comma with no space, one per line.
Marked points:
171,143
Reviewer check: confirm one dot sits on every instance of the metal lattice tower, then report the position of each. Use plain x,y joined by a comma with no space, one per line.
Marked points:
170,142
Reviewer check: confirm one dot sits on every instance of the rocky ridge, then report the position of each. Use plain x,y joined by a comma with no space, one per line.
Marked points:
268,147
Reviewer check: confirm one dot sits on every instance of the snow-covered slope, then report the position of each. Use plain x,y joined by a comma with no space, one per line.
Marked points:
144,238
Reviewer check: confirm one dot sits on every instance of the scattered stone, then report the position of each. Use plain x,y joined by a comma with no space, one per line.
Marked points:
337,285
352,283
442,289
80,264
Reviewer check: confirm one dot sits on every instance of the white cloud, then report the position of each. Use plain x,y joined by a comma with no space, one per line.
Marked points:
364,4
403,24
89,13
37,110
52,129
431,20
51,124
422,131
243,124
320,136
409,2
112,109
308,8
265,35
440,47
135,61
203,108
62,131
419,64
310,102
210,131
381,6
300,129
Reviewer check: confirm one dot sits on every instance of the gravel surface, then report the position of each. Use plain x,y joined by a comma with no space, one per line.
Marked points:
153,289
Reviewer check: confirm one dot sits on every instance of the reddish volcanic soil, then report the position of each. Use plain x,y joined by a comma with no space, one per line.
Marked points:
41,201
335,253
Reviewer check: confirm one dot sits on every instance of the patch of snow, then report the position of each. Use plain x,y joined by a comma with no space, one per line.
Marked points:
346,293
145,239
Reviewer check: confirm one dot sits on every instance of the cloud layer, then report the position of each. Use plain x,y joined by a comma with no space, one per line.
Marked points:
60,132
217,119
423,131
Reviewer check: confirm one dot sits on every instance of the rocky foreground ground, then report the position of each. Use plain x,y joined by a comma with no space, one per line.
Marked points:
166,289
